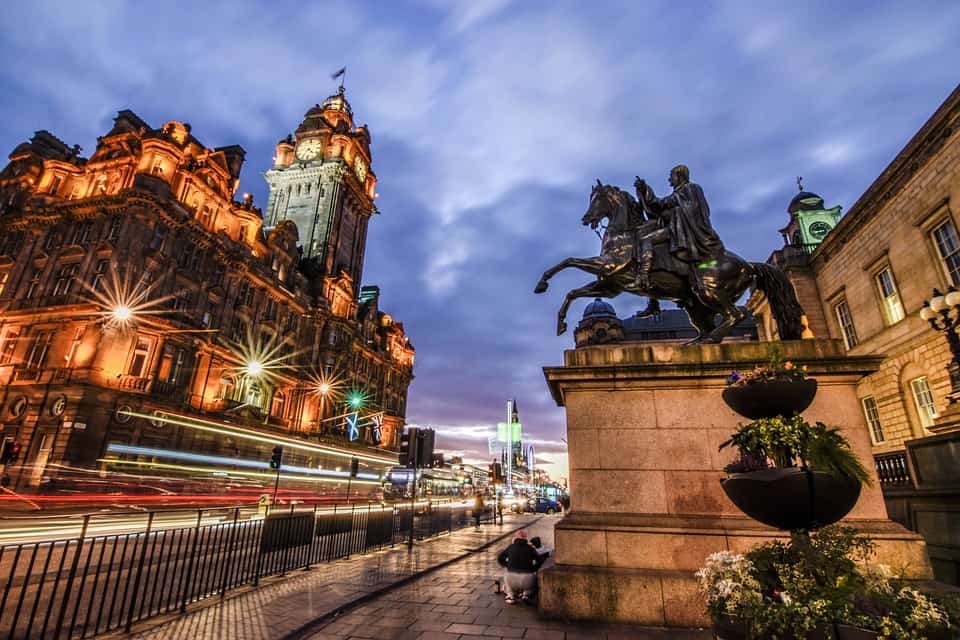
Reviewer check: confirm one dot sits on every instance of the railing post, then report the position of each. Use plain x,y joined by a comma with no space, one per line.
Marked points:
136,583
229,559
188,575
70,577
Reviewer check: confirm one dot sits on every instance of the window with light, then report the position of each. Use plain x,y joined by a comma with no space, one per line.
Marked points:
872,415
923,400
892,306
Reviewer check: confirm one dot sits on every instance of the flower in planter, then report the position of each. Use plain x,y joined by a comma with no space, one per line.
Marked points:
728,581
791,589
788,441
775,370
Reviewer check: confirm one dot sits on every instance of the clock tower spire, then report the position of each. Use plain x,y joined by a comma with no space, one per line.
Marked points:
321,180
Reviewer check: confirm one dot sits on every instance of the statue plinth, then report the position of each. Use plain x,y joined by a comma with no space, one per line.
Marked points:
644,423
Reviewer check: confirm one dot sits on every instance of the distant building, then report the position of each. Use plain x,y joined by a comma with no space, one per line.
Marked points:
600,325
133,284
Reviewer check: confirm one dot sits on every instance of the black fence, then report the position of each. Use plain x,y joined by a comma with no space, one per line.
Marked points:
80,587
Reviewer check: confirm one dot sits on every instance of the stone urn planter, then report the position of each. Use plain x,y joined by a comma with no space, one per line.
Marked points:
757,400
792,498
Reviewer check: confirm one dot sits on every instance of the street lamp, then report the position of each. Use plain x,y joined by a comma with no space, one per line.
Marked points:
942,311
122,313
253,368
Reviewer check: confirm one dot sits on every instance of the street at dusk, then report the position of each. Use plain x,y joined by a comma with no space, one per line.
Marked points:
457,320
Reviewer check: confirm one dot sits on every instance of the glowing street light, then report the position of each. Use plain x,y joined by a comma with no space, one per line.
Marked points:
355,399
122,313
254,368
323,388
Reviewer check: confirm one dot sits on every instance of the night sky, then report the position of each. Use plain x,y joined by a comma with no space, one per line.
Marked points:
490,121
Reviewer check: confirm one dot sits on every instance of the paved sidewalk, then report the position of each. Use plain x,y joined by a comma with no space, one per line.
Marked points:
458,602
282,605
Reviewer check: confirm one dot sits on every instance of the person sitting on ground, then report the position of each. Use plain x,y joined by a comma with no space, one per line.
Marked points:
522,561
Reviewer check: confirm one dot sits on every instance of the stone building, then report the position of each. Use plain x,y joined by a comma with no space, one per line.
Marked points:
863,278
132,284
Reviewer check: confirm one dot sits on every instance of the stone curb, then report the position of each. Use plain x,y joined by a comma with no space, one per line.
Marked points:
304,630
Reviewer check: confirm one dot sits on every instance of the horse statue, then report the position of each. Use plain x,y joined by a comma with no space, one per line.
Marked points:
706,295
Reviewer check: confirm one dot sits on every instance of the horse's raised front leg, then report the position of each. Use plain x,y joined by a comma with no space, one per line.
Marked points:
591,265
595,290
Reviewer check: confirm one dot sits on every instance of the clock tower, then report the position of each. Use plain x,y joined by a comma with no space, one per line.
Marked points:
810,220
321,180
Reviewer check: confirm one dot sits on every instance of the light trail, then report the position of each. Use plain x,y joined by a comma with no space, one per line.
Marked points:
226,473
44,529
239,462
231,430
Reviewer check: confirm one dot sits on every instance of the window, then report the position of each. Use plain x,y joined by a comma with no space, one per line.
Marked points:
892,307
53,239
74,345
846,324
276,405
141,353
11,244
37,353
81,232
64,281
115,223
146,283
157,168
3,281
237,330
923,400
56,184
9,345
34,287
177,366
873,419
99,275
948,245
159,236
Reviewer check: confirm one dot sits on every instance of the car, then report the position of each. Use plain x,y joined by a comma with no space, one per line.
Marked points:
544,505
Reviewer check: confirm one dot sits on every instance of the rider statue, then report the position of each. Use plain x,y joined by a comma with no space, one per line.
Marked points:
688,230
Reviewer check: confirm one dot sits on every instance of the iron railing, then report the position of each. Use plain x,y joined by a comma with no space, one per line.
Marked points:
83,586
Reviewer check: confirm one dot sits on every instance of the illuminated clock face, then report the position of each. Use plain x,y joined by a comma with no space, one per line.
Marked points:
308,149
819,229
360,168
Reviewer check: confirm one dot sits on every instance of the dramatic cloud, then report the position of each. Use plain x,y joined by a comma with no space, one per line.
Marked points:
490,120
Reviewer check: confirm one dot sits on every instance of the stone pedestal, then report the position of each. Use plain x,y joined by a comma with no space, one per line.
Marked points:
644,423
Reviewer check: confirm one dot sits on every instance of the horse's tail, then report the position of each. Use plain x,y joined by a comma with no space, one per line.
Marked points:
784,305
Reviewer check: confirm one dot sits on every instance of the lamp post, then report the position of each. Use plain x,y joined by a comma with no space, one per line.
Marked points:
942,311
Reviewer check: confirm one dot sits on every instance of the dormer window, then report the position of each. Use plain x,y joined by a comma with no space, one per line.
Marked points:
157,168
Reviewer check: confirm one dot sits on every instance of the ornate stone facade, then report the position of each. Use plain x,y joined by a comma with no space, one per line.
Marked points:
133,280
866,282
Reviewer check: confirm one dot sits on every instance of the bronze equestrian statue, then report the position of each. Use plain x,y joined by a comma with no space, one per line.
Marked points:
666,249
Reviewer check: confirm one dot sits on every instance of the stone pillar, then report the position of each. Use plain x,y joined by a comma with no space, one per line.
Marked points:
644,423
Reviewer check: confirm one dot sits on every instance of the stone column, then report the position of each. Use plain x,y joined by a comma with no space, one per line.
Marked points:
644,423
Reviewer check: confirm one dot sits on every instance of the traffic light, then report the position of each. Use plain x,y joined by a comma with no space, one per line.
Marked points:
276,458
10,451
354,467
408,440
425,439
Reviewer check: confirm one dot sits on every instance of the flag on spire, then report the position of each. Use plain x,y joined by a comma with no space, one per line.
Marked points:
339,73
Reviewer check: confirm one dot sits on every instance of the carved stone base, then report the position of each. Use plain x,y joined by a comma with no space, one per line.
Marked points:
643,424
